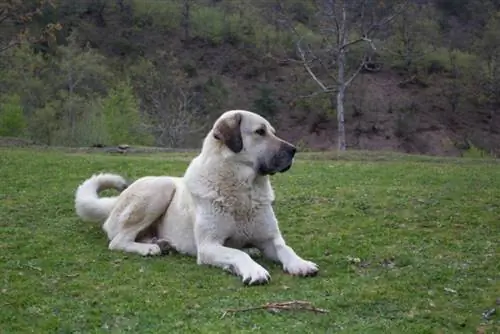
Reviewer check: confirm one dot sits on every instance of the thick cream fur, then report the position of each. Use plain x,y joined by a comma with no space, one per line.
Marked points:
220,205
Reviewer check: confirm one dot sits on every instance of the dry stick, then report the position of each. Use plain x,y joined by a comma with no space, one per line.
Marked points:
291,305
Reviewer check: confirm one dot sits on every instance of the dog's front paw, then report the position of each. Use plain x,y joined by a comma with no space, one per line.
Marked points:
150,249
165,246
300,267
255,275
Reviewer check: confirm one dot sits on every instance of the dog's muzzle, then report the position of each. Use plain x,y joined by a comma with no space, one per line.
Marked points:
290,154
281,161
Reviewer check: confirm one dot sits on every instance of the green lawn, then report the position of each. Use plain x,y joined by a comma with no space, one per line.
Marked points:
404,245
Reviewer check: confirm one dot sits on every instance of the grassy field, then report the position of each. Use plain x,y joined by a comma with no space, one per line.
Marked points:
404,245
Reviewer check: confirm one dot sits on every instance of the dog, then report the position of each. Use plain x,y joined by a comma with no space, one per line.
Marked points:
221,205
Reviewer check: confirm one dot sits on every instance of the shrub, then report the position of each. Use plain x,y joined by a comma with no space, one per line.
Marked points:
165,14
12,120
120,112
407,122
439,60
265,104
91,128
475,152
209,23
44,124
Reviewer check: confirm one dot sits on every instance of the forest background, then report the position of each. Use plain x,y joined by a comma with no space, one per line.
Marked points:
410,76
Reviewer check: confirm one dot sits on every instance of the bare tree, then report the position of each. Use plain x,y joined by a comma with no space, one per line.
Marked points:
175,110
344,26
179,117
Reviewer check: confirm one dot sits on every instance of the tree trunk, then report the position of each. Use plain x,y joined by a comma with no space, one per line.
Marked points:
72,118
340,119
342,85
341,141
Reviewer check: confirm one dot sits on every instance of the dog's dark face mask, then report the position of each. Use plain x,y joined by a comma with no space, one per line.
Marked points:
280,161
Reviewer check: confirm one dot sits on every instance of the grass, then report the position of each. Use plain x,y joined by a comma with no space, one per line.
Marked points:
405,245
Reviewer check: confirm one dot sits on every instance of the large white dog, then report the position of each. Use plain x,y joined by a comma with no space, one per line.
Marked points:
221,205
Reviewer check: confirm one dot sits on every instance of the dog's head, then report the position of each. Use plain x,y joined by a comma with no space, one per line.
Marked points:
253,140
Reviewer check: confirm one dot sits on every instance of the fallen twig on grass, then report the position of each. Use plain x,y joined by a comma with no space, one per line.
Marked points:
291,305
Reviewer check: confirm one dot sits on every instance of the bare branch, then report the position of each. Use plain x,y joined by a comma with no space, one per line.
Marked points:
329,90
3,15
329,8
320,60
8,46
386,20
291,305
362,39
306,65
355,73
309,51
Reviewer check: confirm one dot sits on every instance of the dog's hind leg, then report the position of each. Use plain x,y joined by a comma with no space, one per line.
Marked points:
150,236
137,213
125,241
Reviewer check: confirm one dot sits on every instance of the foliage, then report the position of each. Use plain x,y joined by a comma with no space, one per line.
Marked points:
414,35
44,125
185,63
17,16
26,74
265,103
178,106
474,152
489,74
120,114
159,14
438,60
211,24
407,123
92,128
81,70
12,120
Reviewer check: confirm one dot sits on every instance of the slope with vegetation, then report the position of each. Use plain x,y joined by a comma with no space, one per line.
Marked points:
79,73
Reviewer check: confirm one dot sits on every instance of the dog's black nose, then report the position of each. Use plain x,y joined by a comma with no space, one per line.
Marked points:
291,150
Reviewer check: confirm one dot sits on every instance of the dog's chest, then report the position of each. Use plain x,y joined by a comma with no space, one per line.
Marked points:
243,207
248,227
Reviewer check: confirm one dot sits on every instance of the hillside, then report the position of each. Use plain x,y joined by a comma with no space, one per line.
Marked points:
157,73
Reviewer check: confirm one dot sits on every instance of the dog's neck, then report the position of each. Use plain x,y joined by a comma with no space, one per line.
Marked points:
220,163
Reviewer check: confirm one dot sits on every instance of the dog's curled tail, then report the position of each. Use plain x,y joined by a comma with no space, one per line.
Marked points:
89,206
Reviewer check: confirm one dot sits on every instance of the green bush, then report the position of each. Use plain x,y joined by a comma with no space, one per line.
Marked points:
475,152
91,128
12,120
440,60
215,24
44,124
165,14
215,95
120,112
265,103
209,23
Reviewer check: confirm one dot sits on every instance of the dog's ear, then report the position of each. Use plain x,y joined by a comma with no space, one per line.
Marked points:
228,131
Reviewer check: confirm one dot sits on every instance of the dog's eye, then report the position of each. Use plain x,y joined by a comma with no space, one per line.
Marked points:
260,132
